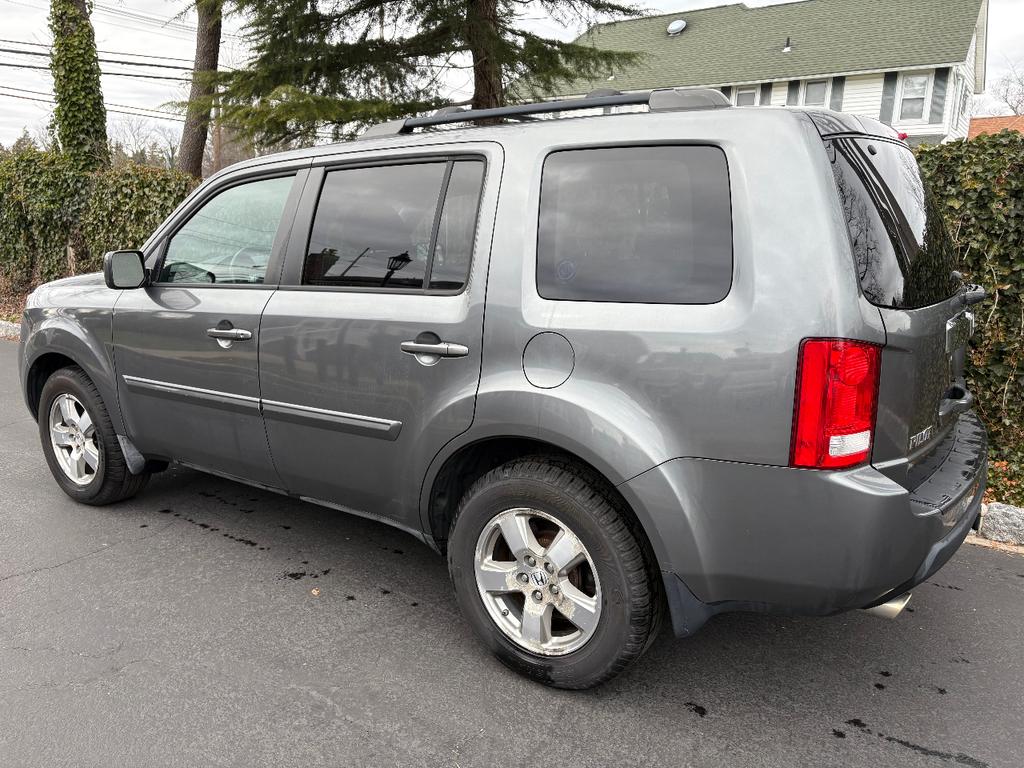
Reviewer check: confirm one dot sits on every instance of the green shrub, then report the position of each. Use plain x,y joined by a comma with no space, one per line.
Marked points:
41,198
127,203
981,184
46,204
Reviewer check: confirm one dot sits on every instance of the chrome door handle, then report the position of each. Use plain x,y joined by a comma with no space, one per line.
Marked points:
440,349
231,334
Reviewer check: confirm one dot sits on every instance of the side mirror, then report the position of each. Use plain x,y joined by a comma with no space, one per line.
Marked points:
124,269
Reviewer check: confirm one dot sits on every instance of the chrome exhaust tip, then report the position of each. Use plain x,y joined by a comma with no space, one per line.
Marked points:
891,609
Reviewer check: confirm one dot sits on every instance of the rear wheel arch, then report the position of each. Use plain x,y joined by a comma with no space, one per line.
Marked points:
471,461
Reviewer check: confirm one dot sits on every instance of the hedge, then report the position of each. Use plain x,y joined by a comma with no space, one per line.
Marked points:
46,204
981,183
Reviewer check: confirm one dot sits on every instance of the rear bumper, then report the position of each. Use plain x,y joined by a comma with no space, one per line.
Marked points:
774,539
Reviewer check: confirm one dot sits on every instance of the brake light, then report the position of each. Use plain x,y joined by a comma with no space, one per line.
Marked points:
836,400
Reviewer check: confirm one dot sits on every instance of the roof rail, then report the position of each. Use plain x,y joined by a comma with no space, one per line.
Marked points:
661,100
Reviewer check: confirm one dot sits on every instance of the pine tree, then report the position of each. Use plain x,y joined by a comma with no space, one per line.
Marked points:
79,117
351,62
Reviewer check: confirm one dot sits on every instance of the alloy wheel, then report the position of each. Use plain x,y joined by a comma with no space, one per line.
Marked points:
537,581
74,439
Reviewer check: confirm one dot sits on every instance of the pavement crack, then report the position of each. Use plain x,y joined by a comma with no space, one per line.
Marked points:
7,424
83,556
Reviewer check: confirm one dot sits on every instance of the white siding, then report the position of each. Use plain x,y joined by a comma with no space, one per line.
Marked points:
863,95
963,75
779,91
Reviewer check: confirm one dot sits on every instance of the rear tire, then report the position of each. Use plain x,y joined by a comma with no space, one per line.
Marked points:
515,531
80,444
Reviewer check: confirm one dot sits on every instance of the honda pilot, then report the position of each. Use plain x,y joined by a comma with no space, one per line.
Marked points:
619,358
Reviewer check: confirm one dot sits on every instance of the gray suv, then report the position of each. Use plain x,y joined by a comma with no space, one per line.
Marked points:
682,358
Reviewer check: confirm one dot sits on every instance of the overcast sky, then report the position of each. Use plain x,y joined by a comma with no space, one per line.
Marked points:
125,29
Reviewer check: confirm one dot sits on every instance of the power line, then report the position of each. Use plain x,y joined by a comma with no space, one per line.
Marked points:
49,97
113,74
109,61
105,61
115,111
145,18
142,18
112,53
166,27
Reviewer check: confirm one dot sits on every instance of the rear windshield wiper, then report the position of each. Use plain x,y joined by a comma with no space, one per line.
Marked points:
970,293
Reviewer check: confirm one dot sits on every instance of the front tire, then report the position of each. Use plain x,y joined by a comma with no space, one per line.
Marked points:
553,574
79,442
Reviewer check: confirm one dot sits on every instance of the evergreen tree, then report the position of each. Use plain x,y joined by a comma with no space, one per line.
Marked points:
342,63
79,118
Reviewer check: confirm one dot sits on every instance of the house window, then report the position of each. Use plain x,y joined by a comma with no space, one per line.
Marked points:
965,96
914,93
816,93
746,95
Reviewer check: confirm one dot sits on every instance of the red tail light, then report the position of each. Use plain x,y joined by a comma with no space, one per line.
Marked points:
836,399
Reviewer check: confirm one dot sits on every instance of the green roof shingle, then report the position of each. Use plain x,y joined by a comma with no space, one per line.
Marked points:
736,44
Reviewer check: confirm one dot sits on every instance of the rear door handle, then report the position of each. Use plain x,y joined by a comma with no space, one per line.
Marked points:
439,349
229,334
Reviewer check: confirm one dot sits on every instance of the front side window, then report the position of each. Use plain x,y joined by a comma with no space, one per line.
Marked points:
746,96
816,93
229,240
635,224
377,227
914,95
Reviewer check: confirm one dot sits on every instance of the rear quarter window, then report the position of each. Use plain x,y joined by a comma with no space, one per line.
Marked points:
904,255
635,224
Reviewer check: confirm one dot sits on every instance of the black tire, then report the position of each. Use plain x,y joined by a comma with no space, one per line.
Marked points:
632,604
111,482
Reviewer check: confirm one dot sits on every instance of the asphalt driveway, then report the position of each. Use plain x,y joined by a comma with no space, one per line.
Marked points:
207,623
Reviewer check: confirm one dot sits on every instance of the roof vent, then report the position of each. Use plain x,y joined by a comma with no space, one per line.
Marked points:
676,27
788,47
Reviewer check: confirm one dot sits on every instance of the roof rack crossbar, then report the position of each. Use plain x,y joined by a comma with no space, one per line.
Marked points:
519,110
657,100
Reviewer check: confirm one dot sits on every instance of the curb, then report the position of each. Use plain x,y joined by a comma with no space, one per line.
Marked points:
978,541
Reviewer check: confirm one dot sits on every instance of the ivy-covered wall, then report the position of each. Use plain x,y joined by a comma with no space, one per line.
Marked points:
45,200
981,183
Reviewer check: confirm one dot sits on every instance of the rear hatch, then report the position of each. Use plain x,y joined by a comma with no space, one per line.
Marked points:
906,263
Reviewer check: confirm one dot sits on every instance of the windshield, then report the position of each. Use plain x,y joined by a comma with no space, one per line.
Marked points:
905,257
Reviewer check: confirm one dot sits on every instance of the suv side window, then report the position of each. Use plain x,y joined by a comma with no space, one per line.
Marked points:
378,226
904,254
635,224
230,238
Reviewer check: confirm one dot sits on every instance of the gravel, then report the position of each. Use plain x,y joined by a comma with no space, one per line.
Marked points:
12,330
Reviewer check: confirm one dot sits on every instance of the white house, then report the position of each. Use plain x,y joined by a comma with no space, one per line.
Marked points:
914,64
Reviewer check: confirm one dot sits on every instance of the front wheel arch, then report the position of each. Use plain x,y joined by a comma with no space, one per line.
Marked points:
42,368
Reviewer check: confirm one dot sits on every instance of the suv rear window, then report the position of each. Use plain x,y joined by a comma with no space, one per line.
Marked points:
635,224
905,257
